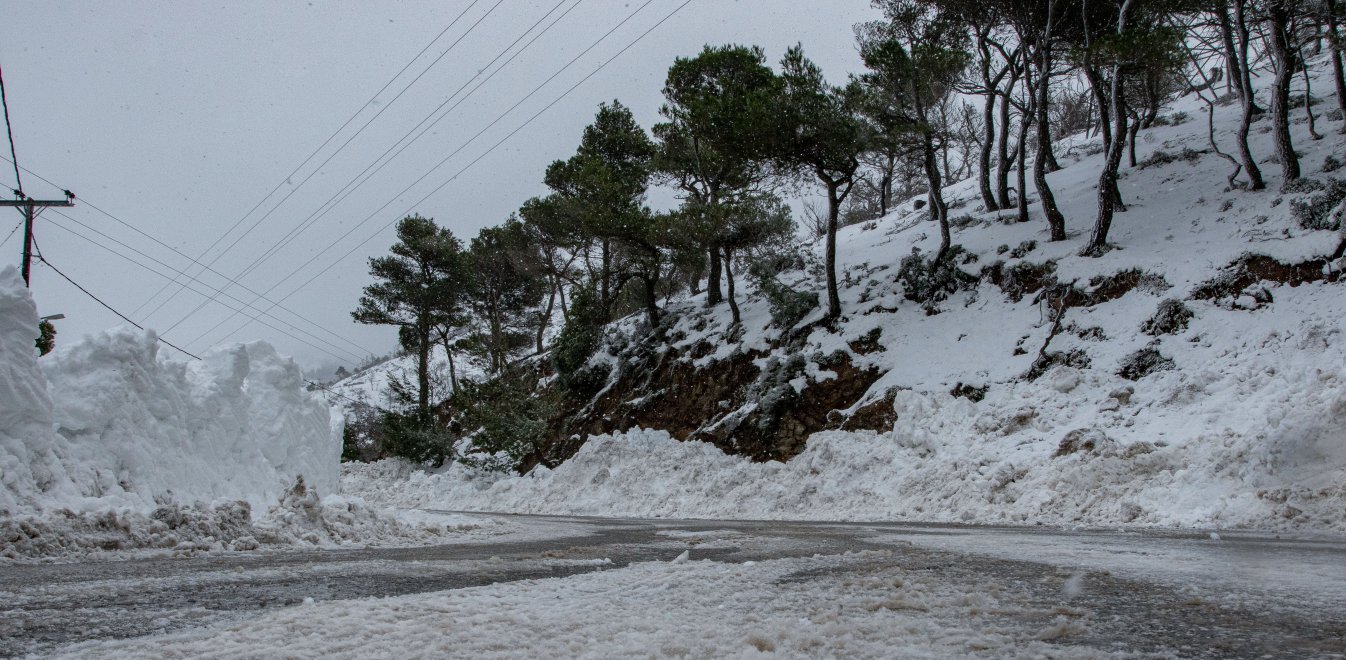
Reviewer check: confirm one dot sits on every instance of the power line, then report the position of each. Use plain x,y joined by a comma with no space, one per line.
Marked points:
109,307
329,140
349,355
177,252
196,291
4,100
49,264
460,148
11,233
380,162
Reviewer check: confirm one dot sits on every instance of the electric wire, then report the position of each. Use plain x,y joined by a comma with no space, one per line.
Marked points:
329,139
11,233
191,289
9,131
380,162
109,307
349,355
526,123
109,215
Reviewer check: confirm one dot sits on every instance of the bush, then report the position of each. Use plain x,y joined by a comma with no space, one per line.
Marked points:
1323,209
1170,318
505,418
1020,279
1023,249
1143,363
788,306
928,282
1161,157
363,439
416,437
578,341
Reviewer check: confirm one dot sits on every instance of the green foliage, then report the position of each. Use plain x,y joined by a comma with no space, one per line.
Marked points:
577,342
506,419
929,282
416,437
508,283
723,122
788,306
46,339
362,439
1324,208
419,287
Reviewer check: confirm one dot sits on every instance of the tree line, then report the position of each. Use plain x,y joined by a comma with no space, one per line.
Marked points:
950,89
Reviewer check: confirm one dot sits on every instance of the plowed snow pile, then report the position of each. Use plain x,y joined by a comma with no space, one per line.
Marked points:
107,445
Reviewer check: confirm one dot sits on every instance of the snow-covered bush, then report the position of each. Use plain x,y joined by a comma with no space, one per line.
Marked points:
929,282
1323,209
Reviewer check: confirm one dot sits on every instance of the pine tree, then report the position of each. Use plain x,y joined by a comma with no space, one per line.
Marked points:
420,285
823,136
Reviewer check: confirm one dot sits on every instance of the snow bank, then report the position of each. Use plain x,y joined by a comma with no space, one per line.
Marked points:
1256,438
106,423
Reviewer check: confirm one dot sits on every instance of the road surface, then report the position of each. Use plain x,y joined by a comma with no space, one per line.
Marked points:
825,589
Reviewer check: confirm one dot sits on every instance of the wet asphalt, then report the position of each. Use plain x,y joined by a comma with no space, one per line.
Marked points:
1166,594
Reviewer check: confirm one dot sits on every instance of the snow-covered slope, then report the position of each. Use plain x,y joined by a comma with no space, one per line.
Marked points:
1241,423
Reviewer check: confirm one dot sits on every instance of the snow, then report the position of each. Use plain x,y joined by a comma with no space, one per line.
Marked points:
1248,430
692,608
107,423
107,445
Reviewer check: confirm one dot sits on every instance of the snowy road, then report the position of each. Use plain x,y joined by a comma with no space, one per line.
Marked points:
603,587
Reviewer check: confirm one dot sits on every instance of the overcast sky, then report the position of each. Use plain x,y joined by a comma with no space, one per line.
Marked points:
179,118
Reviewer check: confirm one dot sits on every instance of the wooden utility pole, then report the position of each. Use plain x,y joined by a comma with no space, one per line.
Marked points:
29,207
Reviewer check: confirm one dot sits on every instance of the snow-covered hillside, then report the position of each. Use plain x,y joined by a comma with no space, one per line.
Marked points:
1136,413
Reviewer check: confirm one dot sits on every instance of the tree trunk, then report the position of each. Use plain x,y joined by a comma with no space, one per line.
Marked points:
1098,86
937,206
651,300
1055,220
830,259
1244,43
713,294
886,184
546,315
984,161
729,283
1002,148
1233,71
1107,180
1334,41
604,294
1021,169
423,370
561,295
1284,58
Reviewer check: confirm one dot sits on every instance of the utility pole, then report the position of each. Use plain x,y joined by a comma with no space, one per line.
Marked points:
29,207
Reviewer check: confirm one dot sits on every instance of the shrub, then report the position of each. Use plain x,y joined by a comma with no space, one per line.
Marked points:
788,306
1143,363
1020,279
1323,209
928,282
1170,318
1023,249
578,341
416,437
506,419
1161,157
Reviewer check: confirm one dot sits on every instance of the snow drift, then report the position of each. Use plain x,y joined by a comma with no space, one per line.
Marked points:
107,423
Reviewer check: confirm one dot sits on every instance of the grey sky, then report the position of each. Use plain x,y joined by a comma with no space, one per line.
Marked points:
180,117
